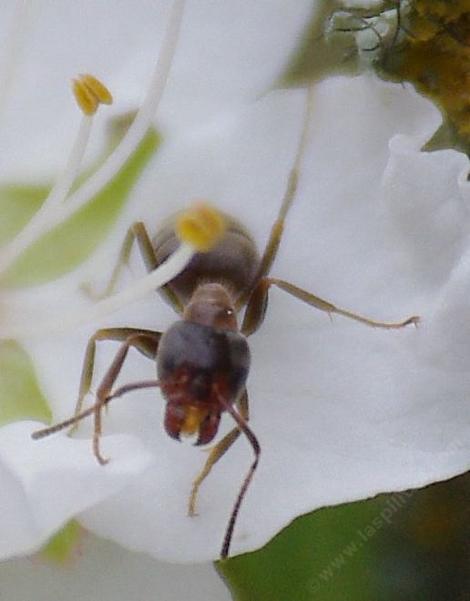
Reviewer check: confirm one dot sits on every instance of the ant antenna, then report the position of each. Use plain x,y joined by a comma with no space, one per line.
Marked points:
288,198
99,404
248,432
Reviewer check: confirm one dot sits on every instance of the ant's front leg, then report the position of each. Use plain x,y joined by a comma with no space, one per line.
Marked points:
140,340
216,453
145,341
256,307
136,233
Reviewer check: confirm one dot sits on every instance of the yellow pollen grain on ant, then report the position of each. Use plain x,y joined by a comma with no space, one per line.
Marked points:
202,226
89,93
193,419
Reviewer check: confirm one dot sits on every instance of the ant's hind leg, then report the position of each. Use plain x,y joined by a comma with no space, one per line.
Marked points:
256,308
145,341
216,452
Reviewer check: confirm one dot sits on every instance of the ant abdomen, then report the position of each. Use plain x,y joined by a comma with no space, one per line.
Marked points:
233,262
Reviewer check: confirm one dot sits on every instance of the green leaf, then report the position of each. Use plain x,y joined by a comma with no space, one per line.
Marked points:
69,244
62,545
18,204
324,556
20,394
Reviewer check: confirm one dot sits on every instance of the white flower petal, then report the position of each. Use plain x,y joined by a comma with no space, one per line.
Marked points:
105,572
427,200
227,54
46,483
230,53
446,344
354,122
342,411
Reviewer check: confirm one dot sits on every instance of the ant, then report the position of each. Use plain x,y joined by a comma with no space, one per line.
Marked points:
203,359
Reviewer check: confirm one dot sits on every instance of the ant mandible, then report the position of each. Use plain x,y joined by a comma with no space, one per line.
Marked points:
203,359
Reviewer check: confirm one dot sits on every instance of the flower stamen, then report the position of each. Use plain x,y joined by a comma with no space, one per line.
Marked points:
12,49
89,93
199,226
128,144
139,126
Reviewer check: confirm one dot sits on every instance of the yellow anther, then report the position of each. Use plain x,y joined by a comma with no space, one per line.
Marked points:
98,88
90,93
86,100
201,226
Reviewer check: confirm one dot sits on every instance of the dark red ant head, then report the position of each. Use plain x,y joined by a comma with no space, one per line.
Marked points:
197,366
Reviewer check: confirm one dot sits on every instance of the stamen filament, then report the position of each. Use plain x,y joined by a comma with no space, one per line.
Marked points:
130,141
35,226
12,48
139,126
207,226
139,289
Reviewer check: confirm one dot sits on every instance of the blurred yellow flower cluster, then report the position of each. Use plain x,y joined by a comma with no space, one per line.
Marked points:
436,57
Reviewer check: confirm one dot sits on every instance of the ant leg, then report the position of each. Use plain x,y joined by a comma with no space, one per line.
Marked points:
104,390
136,233
105,396
76,418
123,260
247,431
138,340
256,308
216,453
277,229
147,252
145,341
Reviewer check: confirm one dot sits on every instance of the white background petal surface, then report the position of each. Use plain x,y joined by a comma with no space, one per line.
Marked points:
44,485
342,411
228,53
102,571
